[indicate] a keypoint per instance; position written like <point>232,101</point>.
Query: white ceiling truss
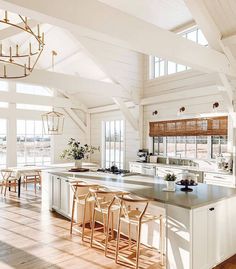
<point>214,36</point>
<point>130,32</point>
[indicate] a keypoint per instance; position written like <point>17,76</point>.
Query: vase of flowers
<point>77,152</point>
<point>170,182</point>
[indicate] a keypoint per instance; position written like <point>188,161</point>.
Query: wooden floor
<point>229,264</point>
<point>32,237</point>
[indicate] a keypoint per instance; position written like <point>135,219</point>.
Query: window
<point>202,147</point>
<point>170,146</point>
<point>113,146</point>
<point>3,142</point>
<point>33,89</point>
<point>219,145</point>
<point>162,67</point>
<point>159,147</point>
<point>3,105</point>
<point>190,147</point>
<point>33,147</point>
<point>3,86</point>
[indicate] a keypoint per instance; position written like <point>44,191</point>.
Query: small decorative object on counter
<point>170,182</point>
<point>77,152</point>
<point>187,183</point>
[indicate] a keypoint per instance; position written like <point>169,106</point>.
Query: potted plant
<point>77,152</point>
<point>170,181</point>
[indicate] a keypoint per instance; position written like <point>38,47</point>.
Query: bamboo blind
<point>190,127</point>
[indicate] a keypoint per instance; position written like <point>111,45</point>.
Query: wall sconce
<point>154,113</point>
<point>181,111</point>
<point>215,106</point>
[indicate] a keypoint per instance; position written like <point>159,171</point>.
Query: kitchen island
<point>200,230</point>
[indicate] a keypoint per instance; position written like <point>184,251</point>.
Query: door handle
<point>212,209</point>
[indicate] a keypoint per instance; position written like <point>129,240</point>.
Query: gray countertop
<point>152,188</point>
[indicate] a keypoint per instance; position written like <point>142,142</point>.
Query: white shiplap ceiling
<point>167,14</point>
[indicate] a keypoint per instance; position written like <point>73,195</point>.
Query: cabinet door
<point>65,197</point>
<point>56,193</point>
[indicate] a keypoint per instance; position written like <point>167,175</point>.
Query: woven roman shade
<point>190,127</point>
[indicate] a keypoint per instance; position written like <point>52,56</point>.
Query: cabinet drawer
<point>218,177</point>
<point>219,183</point>
<point>135,168</point>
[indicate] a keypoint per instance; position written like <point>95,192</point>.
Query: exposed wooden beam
<point>209,28</point>
<point>21,98</point>
<point>229,40</point>
<point>127,114</point>
<point>76,119</point>
<point>107,108</point>
<point>75,84</point>
<point>227,93</point>
<point>122,30</point>
<point>181,95</point>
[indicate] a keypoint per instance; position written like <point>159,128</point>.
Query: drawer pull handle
<point>212,209</point>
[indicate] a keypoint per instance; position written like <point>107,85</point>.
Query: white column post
<point>11,130</point>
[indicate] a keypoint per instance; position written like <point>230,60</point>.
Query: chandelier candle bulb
<point>10,54</point>
<point>29,63</point>
<point>6,17</point>
<point>25,70</point>
<point>5,71</point>
<point>17,50</point>
<point>26,23</point>
<point>43,38</point>
<point>30,49</point>
<point>38,31</point>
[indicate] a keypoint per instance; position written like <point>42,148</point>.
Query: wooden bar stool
<point>8,180</point>
<point>82,197</point>
<point>105,203</point>
<point>135,217</point>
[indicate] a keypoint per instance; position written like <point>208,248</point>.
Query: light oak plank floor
<point>31,237</point>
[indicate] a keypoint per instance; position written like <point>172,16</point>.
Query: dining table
<point>19,172</point>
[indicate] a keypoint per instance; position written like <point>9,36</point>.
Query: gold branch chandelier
<point>16,62</point>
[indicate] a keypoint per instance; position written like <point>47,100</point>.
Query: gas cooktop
<point>121,172</point>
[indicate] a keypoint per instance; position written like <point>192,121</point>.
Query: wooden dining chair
<point>8,180</point>
<point>34,177</point>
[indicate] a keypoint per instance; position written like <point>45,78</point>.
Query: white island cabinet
<point>61,199</point>
<point>199,226</point>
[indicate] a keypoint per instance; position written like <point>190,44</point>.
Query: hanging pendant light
<point>53,121</point>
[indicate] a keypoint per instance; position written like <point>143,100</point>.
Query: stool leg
<point>90,214</point>
<point>83,224</point>
<point>5,191</point>
<point>107,232</point>
<point>112,225</point>
<point>138,245</point>
<point>93,227</point>
<point>72,215</point>
<point>161,240</point>
<point>118,238</point>
<point>129,235</point>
